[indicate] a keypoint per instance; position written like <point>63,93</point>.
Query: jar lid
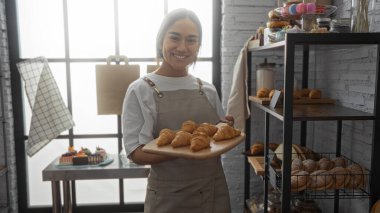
<point>266,64</point>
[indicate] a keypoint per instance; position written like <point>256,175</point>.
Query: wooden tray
<point>216,149</point>
<point>303,100</point>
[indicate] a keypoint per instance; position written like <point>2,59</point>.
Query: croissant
<point>226,132</point>
<point>207,128</point>
<point>165,137</point>
<point>189,126</point>
<point>181,138</point>
<point>199,141</point>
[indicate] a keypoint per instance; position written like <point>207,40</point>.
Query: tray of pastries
<point>198,141</point>
<point>300,96</point>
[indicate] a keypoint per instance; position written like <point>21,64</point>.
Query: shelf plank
<point>318,112</point>
<point>3,170</point>
<point>303,100</point>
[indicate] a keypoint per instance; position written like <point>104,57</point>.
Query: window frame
<point>18,103</point>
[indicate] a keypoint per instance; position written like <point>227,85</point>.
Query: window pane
<point>91,28</point>
<point>203,9</point>
<point>41,28</point>
<point>59,73</point>
<point>135,190</point>
<point>85,113</point>
<point>97,191</point>
<point>202,70</point>
<point>139,23</point>
<point>40,191</point>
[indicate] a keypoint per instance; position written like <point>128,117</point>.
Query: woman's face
<point>181,44</point>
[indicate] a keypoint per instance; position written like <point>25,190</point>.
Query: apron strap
<point>200,86</point>
<point>153,85</point>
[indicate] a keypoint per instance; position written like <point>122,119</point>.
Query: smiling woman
<point>75,36</point>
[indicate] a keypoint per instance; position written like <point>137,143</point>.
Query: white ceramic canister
<point>265,75</point>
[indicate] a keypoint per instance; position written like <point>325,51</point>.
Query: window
<point>75,35</point>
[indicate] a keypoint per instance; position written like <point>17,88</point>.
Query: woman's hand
<point>140,157</point>
<point>229,119</point>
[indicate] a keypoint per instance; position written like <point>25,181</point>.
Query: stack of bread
<point>297,93</point>
<point>326,174</point>
<point>196,136</point>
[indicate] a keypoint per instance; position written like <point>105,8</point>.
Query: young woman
<point>165,99</point>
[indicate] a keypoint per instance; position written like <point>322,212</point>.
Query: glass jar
<point>265,75</point>
<point>359,16</point>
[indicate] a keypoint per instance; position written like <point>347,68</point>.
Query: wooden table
<point>115,170</point>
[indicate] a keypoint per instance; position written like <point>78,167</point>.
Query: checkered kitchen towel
<point>50,116</point>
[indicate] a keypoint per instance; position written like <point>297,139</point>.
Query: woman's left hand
<point>230,120</point>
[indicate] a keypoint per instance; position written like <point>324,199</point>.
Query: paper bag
<point>112,82</point>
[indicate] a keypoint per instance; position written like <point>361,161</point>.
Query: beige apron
<point>185,185</point>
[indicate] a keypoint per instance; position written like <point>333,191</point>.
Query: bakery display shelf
<point>279,44</point>
<point>318,112</point>
<point>329,191</point>
<point>3,170</point>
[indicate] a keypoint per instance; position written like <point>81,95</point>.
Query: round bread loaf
<point>315,94</point>
<point>298,180</point>
<point>309,165</point>
<point>320,180</point>
<point>341,177</point>
<point>297,164</point>
<point>357,176</point>
<point>325,164</point>
<point>340,162</point>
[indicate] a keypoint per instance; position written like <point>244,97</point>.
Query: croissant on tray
<point>207,128</point>
<point>181,138</point>
<point>165,137</point>
<point>226,132</point>
<point>199,141</point>
<point>189,126</point>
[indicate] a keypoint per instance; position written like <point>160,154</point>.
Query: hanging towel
<point>50,116</point>
<point>237,104</point>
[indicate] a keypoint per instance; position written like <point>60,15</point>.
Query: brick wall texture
<point>7,197</point>
<point>345,74</point>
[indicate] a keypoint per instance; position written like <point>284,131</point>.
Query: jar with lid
<point>306,206</point>
<point>265,75</point>
<point>324,23</point>
<point>274,202</point>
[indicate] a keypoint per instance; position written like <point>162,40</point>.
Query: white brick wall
<point>345,75</point>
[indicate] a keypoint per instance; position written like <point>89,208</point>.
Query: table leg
<point>67,206</point>
<point>56,190</point>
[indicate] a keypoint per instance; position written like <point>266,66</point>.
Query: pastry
<point>189,126</point>
<point>325,164</point>
<point>280,150</point>
<point>207,128</point>
<point>320,180</point>
<point>305,92</point>
<point>226,132</point>
<point>262,93</point>
<point>357,176</point>
<point>315,94</point>
<point>297,164</point>
<point>376,207</point>
<point>181,138</point>
<point>297,94</point>
<point>341,177</point>
<point>309,165</point>
<point>271,93</point>
<point>340,162</point>
<point>298,180</point>
<point>165,137</point>
<point>199,141</point>
<point>257,149</point>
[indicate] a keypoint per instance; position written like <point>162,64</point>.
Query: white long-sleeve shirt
<point>139,108</point>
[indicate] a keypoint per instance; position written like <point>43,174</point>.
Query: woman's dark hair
<point>169,20</point>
